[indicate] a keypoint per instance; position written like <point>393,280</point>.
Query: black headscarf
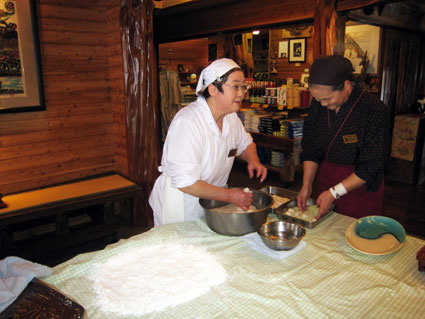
<point>331,70</point>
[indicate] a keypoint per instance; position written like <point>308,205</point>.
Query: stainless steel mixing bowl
<point>281,235</point>
<point>237,224</point>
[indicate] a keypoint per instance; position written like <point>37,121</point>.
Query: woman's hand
<point>250,156</point>
<point>302,197</point>
<point>324,201</point>
<point>257,166</point>
<point>240,198</point>
<point>235,196</point>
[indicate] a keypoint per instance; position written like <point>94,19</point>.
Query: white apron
<point>172,201</point>
<point>195,149</point>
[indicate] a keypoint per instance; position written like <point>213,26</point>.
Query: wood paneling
<point>405,15</point>
<point>77,134</point>
<point>174,24</point>
<point>343,5</point>
<point>116,84</point>
<point>193,54</point>
<point>290,69</point>
<point>208,17</point>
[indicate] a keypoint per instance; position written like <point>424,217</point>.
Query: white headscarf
<point>213,72</point>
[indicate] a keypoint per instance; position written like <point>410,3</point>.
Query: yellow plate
<point>384,245</point>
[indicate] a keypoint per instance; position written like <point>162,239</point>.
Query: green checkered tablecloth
<point>326,279</point>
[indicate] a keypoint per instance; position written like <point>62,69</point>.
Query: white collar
<point>204,107</point>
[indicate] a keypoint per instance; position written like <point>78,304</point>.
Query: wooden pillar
<point>141,111</point>
<point>340,21</point>
<point>325,35</point>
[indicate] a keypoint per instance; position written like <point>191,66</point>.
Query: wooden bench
<point>48,219</point>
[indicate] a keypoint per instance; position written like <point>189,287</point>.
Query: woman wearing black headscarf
<point>344,142</point>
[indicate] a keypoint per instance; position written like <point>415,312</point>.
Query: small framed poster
<point>297,50</point>
<point>283,49</point>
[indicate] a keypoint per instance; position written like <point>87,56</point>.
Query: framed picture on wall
<point>21,85</point>
<point>297,50</point>
<point>362,43</point>
<point>283,49</point>
<point>304,79</point>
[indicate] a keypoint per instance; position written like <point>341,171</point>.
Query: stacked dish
<point>376,235</point>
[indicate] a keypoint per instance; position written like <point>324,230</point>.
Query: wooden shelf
<point>273,168</point>
<point>294,112</point>
<point>286,145</point>
<point>282,144</point>
<point>298,168</point>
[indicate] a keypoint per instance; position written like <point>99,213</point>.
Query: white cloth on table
<point>195,149</point>
<point>15,274</point>
<point>254,240</point>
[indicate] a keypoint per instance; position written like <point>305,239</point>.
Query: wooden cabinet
<point>288,146</point>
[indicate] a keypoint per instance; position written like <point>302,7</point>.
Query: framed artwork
<point>362,41</point>
<point>297,49</point>
<point>283,50</point>
<point>21,85</point>
<point>304,79</point>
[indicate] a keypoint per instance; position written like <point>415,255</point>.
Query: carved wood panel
<point>140,86</point>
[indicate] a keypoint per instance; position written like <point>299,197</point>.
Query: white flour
<point>233,209</point>
<point>146,279</point>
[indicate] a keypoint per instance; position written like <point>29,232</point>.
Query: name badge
<point>350,139</point>
<point>232,153</point>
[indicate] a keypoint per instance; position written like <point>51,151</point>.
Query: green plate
<point>374,227</point>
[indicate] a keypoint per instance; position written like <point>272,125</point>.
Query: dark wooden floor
<point>403,202</point>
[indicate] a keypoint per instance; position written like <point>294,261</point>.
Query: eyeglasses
<point>244,88</point>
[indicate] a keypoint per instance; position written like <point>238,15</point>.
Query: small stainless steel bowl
<point>237,224</point>
<point>281,235</point>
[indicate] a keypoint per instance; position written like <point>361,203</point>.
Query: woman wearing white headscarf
<point>202,142</point>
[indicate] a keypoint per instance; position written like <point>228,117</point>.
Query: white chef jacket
<point>194,149</point>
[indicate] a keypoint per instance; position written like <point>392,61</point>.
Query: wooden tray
<point>40,301</point>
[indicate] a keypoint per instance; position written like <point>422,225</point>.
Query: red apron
<point>356,203</point>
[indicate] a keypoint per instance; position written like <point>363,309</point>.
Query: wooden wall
<point>116,83</point>
<point>290,69</point>
<point>208,17</point>
<point>81,131</point>
<point>176,24</point>
<point>193,54</point>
